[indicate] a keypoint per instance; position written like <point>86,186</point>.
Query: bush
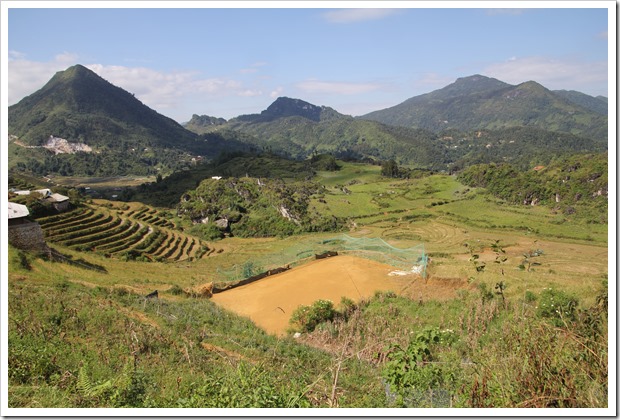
<point>347,307</point>
<point>530,297</point>
<point>176,290</point>
<point>306,318</point>
<point>557,306</point>
<point>206,231</point>
<point>414,375</point>
<point>485,293</point>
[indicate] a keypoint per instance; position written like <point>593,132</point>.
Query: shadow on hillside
<point>57,256</point>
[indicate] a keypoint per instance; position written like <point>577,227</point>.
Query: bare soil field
<point>270,302</point>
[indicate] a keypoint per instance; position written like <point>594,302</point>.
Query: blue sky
<point>225,62</point>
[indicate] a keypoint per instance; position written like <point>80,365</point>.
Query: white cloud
<point>340,88</point>
<point>432,81</point>
<point>553,73</point>
<point>253,68</point>
<point>162,91</point>
<point>276,92</point>
<point>250,92</point>
<point>357,15</point>
<point>26,76</point>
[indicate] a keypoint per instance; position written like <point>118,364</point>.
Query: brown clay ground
<point>270,302</point>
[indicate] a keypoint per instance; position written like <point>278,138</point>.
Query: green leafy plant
<point>557,306</point>
<point>306,318</point>
<point>414,373</point>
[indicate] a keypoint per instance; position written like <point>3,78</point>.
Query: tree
<point>390,169</point>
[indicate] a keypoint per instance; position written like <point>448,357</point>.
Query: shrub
<point>306,318</point>
<point>206,231</point>
<point>176,290</point>
<point>530,296</point>
<point>557,306</point>
<point>347,307</point>
<point>485,293</point>
<point>414,375</point>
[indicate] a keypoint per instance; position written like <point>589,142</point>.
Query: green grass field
<point>181,351</point>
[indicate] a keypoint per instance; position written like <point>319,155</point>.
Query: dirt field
<point>270,302</point>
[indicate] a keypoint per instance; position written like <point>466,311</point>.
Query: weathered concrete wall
<point>218,288</point>
<point>27,236</point>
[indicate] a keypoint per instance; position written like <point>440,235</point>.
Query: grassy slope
<point>100,321</point>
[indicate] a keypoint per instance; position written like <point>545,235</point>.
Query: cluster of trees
<point>523,147</point>
<point>569,183</point>
<point>107,163</point>
<point>254,207</point>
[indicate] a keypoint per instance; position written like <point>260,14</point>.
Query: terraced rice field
<point>132,232</point>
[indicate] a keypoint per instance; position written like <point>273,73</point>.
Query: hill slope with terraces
<point>126,231</point>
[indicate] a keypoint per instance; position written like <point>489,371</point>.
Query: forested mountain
<point>201,124</point>
<point>479,102</point>
<point>80,106</point>
<point>80,124</point>
<point>298,129</point>
<point>597,104</point>
<point>123,136</point>
<point>291,107</point>
<point>523,147</point>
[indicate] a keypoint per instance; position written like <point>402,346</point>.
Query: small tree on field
<point>390,169</point>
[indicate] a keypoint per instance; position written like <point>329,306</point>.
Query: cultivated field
<point>122,230</point>
<point>269,302</point>
<point>83,334</point>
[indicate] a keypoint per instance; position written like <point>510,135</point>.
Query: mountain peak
<point>77,71</point>
<point>79,104</point>
<point>288,107</point>
<point>473,78</point>
<point>476,83</point>
<point>477,102</point>
<point>284,107</point>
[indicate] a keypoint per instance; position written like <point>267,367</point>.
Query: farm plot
<point>270,302</point>
<point>142,234</point>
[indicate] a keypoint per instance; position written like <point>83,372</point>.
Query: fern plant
<point>125,390</point>
<point>88,388</point>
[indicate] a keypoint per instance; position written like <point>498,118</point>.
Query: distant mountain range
<point>479,102</point>
<point>476,118</point>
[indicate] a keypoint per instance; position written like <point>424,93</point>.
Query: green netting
<point>290,257</point>
<point>411,260</point>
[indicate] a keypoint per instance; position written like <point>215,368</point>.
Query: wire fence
<point>412,260</point>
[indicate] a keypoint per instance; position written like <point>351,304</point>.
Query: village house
<point>24,233</point>
<point>58,201</point>
<point>17,214</point>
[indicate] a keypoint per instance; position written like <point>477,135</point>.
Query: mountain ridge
<point>480,102</point>
<point>128,137</point>
<point>284,107</point>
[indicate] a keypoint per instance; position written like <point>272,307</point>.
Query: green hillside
<point>124,136</point>
<point>575,184</point>
<point>478,102</point>
<point>344,137</point>
<point>508,285</point>
<point>597,104</point>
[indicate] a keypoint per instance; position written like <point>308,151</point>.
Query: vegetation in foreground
<point>82,345</point>
<point>81,337</point>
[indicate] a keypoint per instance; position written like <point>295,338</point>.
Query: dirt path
<point>270,302</point>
